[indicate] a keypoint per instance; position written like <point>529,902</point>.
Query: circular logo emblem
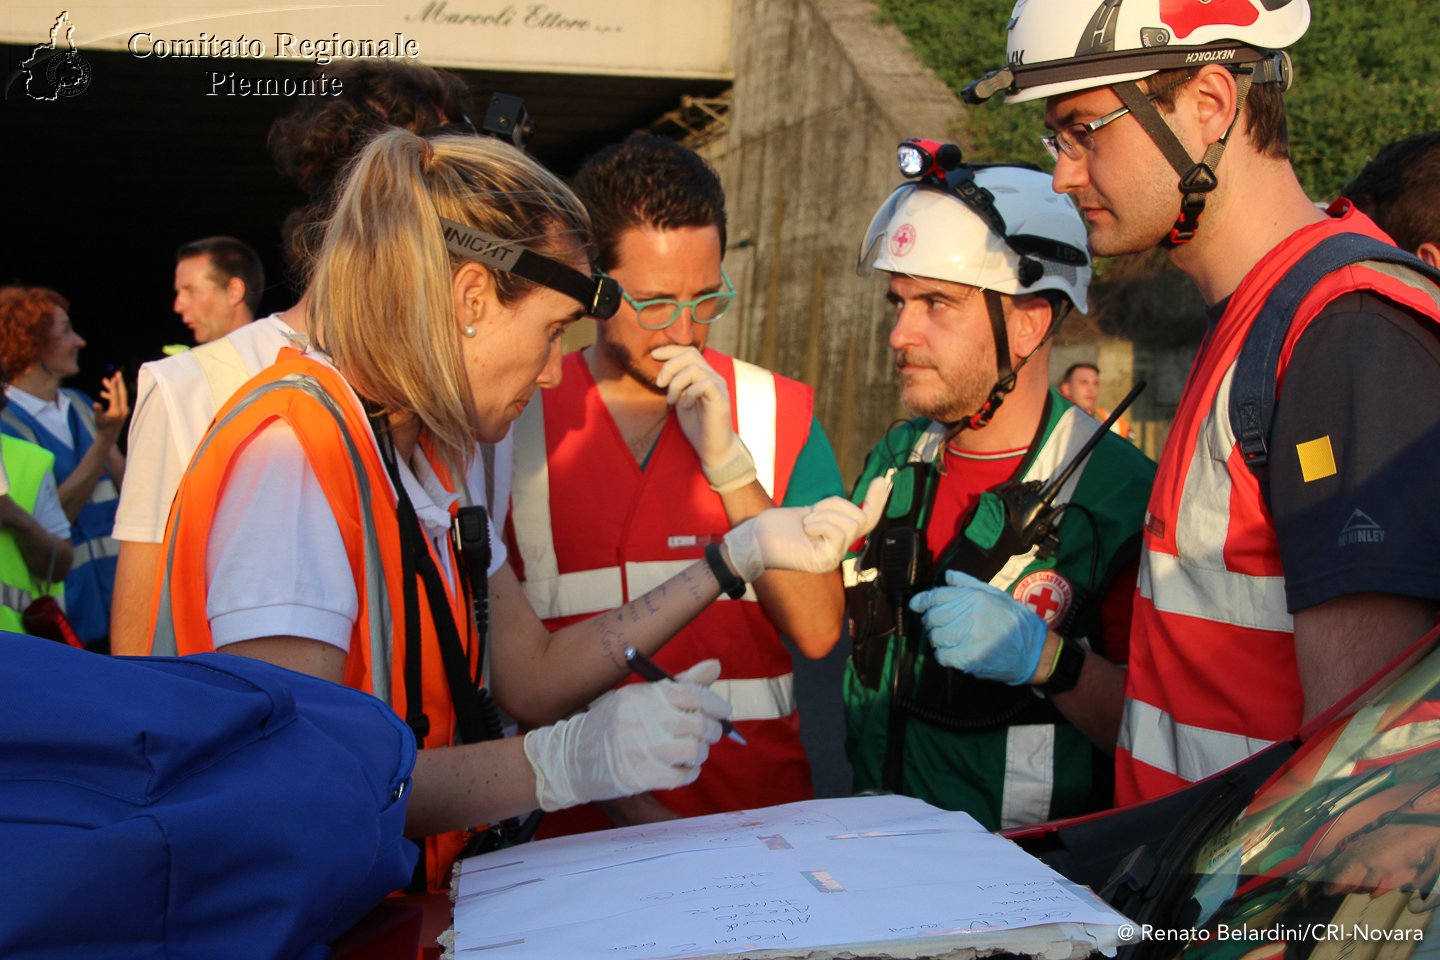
<point>1047,593</point>
<point>69,73</point>
<point>903,241</point>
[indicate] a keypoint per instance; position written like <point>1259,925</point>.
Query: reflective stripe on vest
<point>1153,737</point>
<point>1029,774</point>
<point>763,698</point>
<point>100,548</point>
<point>1213,674</point>
<point>1196,582</point>
<point>555,594</point>
<point>16,598</point>
<point>377,599</point>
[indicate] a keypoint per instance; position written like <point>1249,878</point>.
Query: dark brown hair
<point>648,181</point>
<point>313,143</point>
<point>1265,122</point>
<point>1400,190</point>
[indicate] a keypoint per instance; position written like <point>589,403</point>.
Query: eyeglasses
<point>661,312</point>
<point>1078,139</point>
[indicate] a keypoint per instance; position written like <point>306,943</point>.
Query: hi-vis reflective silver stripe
<point>556,594</point>
<point>644,576</point>
<point>763,698</point>
<point>755,414</point>
<point>1191,753</point>
<point>377,604</point>
<point>16,598</point>
<point>96,549</point>
<point>1196,583</point>
<point>104,492</point>
<point>1029,774</point>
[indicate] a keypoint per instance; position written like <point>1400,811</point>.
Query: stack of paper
<point>864,876</point>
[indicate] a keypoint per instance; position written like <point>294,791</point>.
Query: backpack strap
<point>1252,390</point>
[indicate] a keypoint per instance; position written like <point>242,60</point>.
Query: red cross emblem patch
<point>903,241</point>
<point>1047,593</point>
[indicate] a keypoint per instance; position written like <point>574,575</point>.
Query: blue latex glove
<point>981,629</point>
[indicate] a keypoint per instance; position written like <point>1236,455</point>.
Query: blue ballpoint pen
<point>648,669</point>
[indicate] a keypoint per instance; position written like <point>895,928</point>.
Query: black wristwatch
<point>729,580</point>
<point>1067,669</point>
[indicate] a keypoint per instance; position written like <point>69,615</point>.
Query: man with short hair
<point>1400,191</point>
<point>218,283</point>
<point>638,463</point>
<point>1290,543</point>
<point>1081,386</point>
<point>974,321</point>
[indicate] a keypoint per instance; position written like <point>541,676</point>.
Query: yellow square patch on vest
<point>1317,459</point>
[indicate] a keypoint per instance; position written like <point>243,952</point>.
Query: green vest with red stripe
<point>1018,761</point>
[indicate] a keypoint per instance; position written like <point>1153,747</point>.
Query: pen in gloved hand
<point>647,669</point>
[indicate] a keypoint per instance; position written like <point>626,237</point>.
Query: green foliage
<point>1366,74</point>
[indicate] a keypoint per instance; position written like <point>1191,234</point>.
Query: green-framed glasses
<point>661,312</point>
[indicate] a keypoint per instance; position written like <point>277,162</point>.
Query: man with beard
<point>1290,545</point>
<point>639,462</point>
<point>983,264</point>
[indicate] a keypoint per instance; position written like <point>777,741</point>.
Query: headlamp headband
<point>599,295</point>
<point>942,167</point>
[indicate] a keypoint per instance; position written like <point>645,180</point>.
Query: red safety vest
<point>591,531</point>
<point>317,403</point>
<point>1212,675</point>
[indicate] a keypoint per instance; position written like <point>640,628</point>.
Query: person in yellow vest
<point>35,552</point>
<point>313,528</point>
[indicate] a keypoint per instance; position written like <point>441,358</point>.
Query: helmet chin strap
<point>1196,179</point>
<point>1006,374</point>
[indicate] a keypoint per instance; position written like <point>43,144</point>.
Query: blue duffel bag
<point>196,807</point>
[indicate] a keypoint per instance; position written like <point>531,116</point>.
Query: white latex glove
<point>808,539</point>
<point>643,736</point>
<point>702,402</point>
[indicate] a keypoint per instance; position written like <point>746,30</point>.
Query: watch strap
<point>729,580</point>
<point>1066,674</point>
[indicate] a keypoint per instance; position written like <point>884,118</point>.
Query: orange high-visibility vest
<point>326,416</point>
<point>593,531</point>
<point>1213,676</point>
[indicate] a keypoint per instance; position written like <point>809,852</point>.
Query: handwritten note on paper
<point>857,874</point>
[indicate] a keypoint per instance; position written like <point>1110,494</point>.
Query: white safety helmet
<point>1059,46</point>
<point>925,230</point>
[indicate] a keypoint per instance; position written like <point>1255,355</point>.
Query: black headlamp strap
<point>600,296</point>
<point>558,277</point>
